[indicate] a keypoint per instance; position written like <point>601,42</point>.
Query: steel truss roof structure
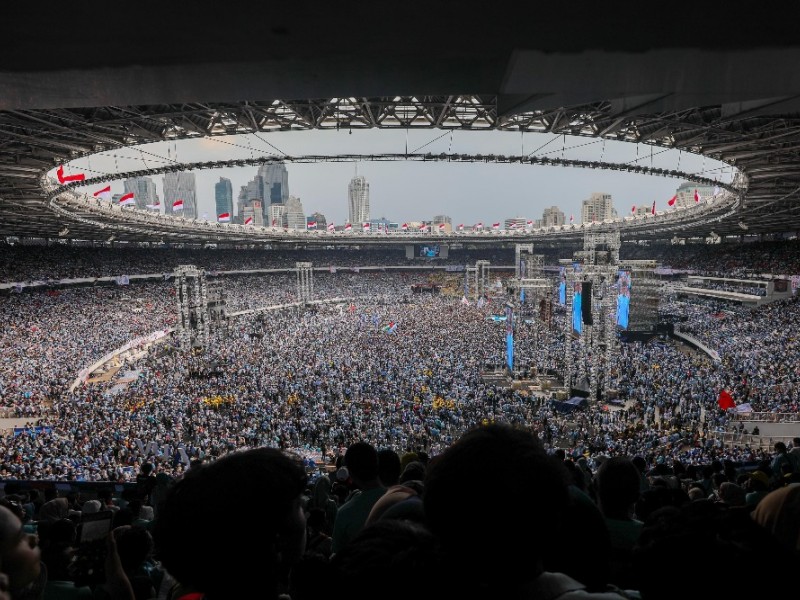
<point>731,94</point>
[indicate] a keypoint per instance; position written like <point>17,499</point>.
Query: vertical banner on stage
<point>623,298</point>
<point>510,337</point>
<point>577,308</point>
<point>562,287</point>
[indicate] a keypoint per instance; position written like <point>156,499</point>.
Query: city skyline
<point>417,191</point>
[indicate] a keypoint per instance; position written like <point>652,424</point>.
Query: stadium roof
<point>721,80</point>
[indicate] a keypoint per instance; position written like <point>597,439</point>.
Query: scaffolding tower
<point>597,345</point>
<point>305,281</point>
<point>192,327</point>
<point>481,278</point>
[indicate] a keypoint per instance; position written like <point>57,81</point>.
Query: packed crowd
<point>26,263</point>
<point>316,379</point>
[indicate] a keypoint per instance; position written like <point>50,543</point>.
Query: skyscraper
<point>270,186</point>
<point>597,208</point>
<point>553,216</point>
<point>358,200</point>
<point>181,186</point>
<point>223,196</point>
<point>295,218</point>
<point>276,183</point>
<point>144,191</point>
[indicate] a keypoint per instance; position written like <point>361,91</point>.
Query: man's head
<point>494,487</point>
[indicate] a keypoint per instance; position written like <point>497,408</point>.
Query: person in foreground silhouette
<point>494,500</point>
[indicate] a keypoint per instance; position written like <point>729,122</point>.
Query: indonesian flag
<point>127,199</point>
<point>365,226</point>
<point>67,178</point>
<point>633,208</point>
<point>461,227</point>
<point>653,210</point>
<point>529,224</point>
<point>348,227</point>
<point>224,218</point>
<point>155,206</point>
<point>311,225</point>
<point>404,226</point>
<point>331,227</point>
<point>103,194</point>
<point>672,200</point>
<point>248,221</point>
<point>424,228</point>
<point>441,226</point>
<point>571,218</point>
<point>273,222</point>
<point>478,225</point>
<point>725,400</point>
<point>696,196</point>
<point>177,205</point>
<point>495,225</point>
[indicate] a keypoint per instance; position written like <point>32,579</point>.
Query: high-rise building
<point>295,218</point>
<point>254,210</point>
<point>181,186</point>
<point>685,193</point>
<point>275,215</point>
<point>358,200</point>
<point>320,220</point>
<point>144,191</point>
<point>270,186</point>
<point>223,196</point>
<point>516,223</point>
<point>597,208</point>
<point>276,183</point>
<point>553,216</point>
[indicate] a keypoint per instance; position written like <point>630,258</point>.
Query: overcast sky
<point>405,191</point>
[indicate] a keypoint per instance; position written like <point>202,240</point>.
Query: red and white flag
<point>127,199</point>
<point>495,225</point>
<point>311,225</point>
<point>696,196</point>
<point>529,224</point>
<point>68,178</point>
<point>725,400</point>
<point>404,226</point>
<point>273,222</point>
<point>348,227</point>
<point>478,225</point>
<point>423,228</point>
<point>571,218</point>
<point>653,210</point>
<point>331,227</point>
<point>672,200</point>
<point>177,205</point>
<point>155,206</point>
<point>441,226</point>
<point>461,227</point>
<point>103,194</point>
<point>365,226</point>
<point>224,217</point>
<point>248,221</point>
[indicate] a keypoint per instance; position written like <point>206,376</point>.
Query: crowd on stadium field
<point>319,378</point>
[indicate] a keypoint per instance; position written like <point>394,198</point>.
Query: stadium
<point>657,350</point>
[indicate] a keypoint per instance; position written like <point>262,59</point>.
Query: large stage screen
<point>428,251</point>
<point>623,298</point>
<point>577,308</point>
